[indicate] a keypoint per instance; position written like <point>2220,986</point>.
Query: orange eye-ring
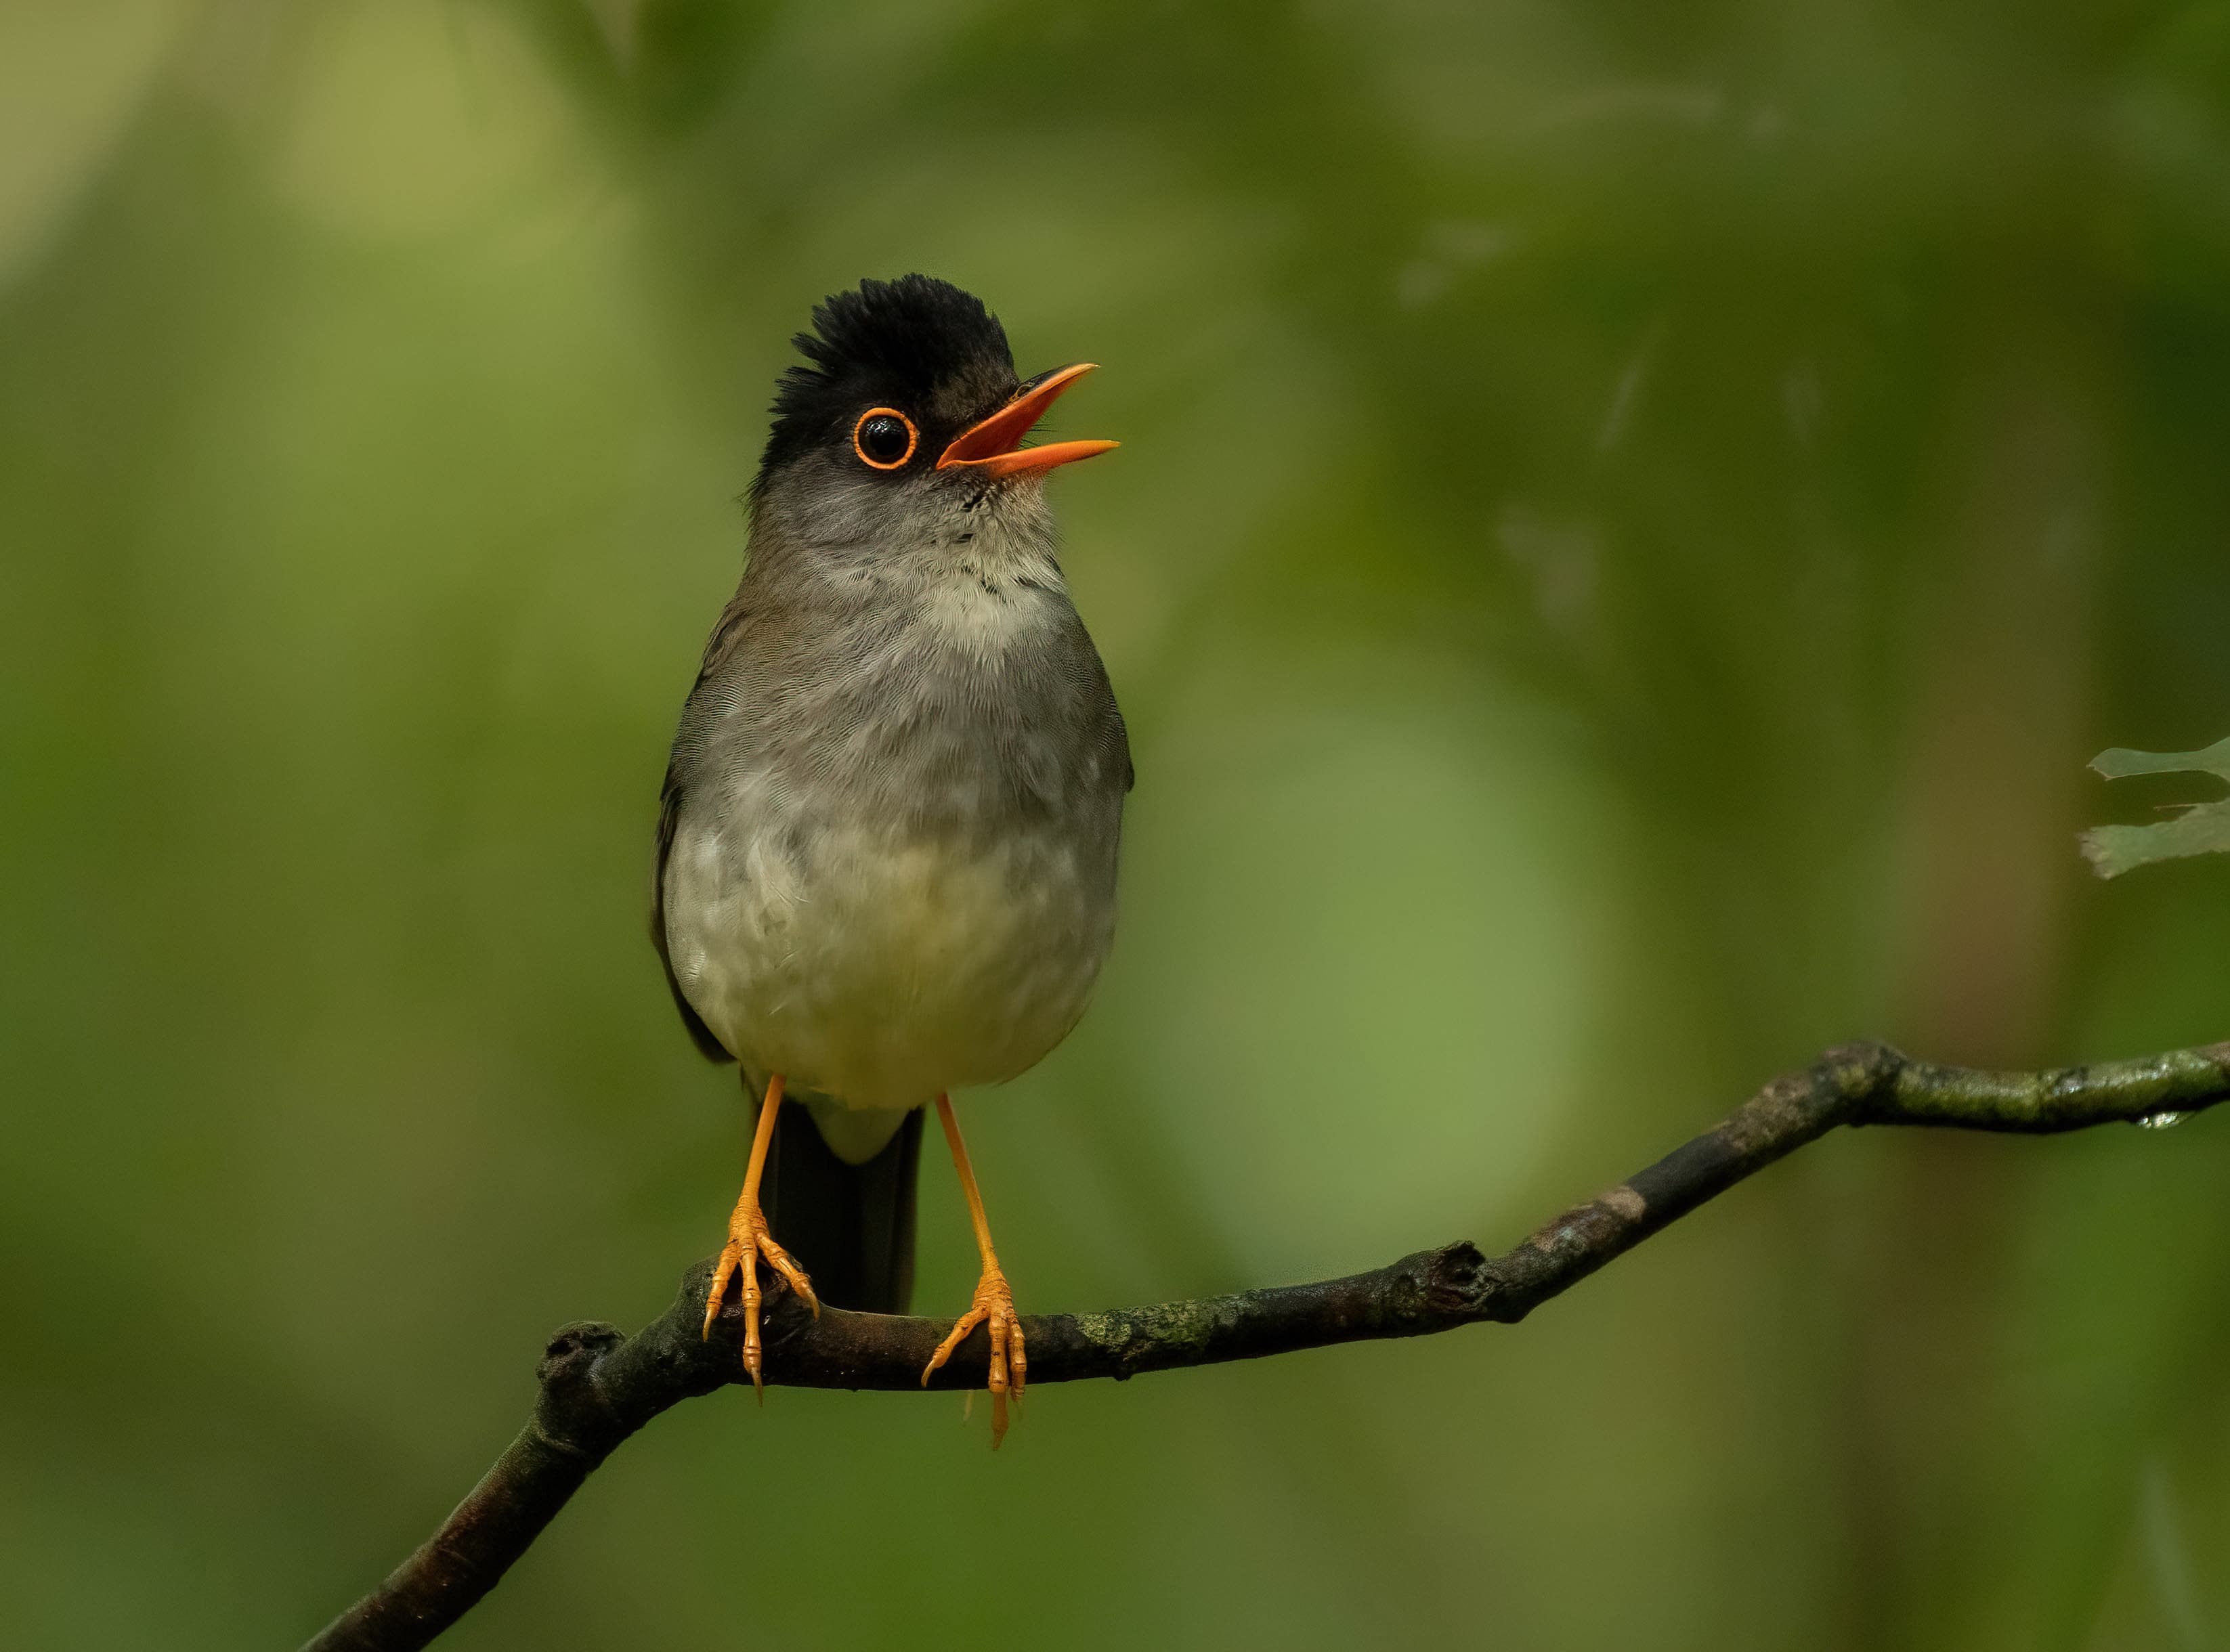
<point>884,438</point>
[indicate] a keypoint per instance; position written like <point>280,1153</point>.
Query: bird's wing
<point>669,814</point>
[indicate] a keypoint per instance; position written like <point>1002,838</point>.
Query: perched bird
<point>888,838</point>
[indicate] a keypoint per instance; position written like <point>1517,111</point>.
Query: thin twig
<point>598,1386</point>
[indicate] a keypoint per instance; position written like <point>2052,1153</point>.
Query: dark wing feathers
<point>669,811</point>
<point>669,806</point>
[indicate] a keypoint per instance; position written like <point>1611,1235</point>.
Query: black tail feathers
<point>849,1226</point>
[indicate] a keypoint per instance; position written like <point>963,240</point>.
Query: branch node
<point>1456,1282</point>
<point>570,1414</point>
<point>573,1348</point>
<point>1863,1074</point>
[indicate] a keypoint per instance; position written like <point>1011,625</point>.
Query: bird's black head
<point>911,381</point>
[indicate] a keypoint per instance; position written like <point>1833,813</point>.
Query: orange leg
<point>748,1241</point>
<point>994,1301</point>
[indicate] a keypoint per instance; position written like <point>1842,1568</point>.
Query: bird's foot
<point>749,1243</point>
<point>1009,1366</point>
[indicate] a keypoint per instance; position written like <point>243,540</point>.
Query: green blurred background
<point>1632,519</point>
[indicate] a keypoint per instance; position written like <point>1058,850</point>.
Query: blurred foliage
<point>2195,829</point>
<point>1630,517</point>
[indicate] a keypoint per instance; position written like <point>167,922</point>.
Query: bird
<point>888,834</point>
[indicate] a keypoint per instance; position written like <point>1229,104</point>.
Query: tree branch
<point>598,1386</point>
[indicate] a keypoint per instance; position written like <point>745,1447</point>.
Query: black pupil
<point>883,439</point>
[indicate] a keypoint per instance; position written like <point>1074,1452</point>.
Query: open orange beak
<point>991,449</point>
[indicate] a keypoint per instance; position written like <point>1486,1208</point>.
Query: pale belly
<point>878,973</point>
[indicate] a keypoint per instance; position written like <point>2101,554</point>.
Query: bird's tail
<point>849,1226</point>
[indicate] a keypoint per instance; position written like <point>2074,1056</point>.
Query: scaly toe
<point>750,1243</point>
<point>995,1304</point>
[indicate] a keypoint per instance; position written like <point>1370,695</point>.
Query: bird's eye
<point>884,438</point>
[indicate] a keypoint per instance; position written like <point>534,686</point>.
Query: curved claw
<point>794,1274</point>
<point>958,1334</point>
<point>719,1290</point>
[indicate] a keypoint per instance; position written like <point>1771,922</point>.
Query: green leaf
<point>2199,829</point>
